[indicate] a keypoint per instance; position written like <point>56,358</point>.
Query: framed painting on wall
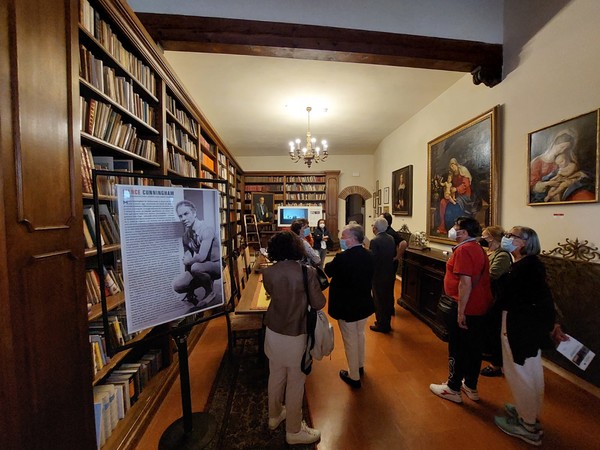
<point>402,182</point>
<point>462,165</point>
<point>563,162</point>
<point>262,206</point>
<point>386,195</point>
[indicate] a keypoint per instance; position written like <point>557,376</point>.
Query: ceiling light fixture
<point>311,152</point>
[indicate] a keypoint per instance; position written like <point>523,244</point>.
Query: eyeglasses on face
<point>510,235</point>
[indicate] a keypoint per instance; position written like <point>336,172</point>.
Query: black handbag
<point>322,277</point>
<point>447,308</point>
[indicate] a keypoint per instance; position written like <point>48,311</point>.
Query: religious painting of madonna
<point>462,165</point>
<point>563,162</point>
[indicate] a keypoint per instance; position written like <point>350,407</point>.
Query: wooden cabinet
<point>422,284</point>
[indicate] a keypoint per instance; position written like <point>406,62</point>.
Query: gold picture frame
<point>462,175</point>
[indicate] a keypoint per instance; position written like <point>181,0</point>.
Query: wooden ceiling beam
<point>283,40</point>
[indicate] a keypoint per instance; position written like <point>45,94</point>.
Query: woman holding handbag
<point>286,334</point>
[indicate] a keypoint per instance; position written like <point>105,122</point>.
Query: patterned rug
<point>238,402</point>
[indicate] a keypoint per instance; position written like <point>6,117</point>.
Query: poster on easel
<point>171,253</point>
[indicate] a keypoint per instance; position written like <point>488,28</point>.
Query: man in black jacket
<point>350,301</point>
<point>383,248</point>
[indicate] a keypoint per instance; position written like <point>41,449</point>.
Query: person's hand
<point>187,259</point>
<point>558,335</point>
<point>462,321</point>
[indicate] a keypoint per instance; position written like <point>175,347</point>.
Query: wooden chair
<point>241,326</point>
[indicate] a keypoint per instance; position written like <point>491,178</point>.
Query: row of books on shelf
<point>109,226</point>
<point>208,162</point>
<point>117,88</point>
<point>117,337</point>
<point>102,121</point>
<point>120,391</point>
<point>305,187</point>
<point>306,179</point>
<point>90,20</point>
<point>182,140</point>
<point>206,146</point>
<point>106,184</point>
<point>266,179</point>
<point>183,118</point>
<point>263,187</point>
<point>301,196</point>
<point>178,163</point>
<point>113,285</point>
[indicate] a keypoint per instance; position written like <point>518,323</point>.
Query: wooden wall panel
<point>46,369</point>
<point>332,189</point>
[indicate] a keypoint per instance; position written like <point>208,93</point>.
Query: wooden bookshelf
<point>133,108</point>
<point>296,188</point>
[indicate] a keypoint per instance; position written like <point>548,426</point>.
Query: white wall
<point>355,170</point>
<point>556,79</point>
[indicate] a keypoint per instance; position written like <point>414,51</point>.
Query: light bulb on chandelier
<point>311,152</point>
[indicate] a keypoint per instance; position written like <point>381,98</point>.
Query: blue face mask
<point>507,244</point>
<point>343,244</point>
<point>306,231</point>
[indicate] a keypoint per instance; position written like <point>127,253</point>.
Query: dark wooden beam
<point>283,40</point>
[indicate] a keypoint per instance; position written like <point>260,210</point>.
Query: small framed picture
<point>386,195</point>
<point>402,181</point>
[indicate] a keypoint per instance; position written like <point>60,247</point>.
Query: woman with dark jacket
<point>321,241</point>
<point>528,320</point>
<point>350,299</point>
<point>285,336</point>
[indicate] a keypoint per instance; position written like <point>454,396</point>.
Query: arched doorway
<point>355,209</point>
<point>355,197</point>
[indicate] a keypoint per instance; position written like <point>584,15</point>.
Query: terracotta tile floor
<point>395,409</point>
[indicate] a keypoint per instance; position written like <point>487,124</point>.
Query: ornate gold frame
<point>474,146</point>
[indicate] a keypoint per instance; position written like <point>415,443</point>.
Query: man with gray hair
<point>383,249</point>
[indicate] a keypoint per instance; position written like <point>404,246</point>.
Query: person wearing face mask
<point>467,282</point>
<point>528,326</point>
<point>500,262</point>
<point>321,241</point>
<point>383,248</point>
<point>301,228</point>
<point>350,299</point>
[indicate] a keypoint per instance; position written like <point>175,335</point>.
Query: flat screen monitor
<point>287,214</point>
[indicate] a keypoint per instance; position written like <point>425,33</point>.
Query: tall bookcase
<point>135,116</point>
<point>297,188</point>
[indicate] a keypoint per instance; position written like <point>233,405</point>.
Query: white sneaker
<point>471,393</point>
<point>443,391</point>
<point>306,435</point>
<point>275,421</point>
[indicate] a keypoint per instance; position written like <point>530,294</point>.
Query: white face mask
<point>452,234</point>
<point>321,226</point>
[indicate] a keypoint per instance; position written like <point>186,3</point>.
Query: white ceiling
<point>245,97</point>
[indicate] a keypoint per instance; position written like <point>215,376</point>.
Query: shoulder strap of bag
<point>311,314</point>
<point>482,269</point>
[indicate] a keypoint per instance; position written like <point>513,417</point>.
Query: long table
<point>253,299</point>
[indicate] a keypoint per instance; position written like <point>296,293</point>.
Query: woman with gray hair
<point>528,322</point>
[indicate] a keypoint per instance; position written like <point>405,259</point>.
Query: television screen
<point>287,214</point>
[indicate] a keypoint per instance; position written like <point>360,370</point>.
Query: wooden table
<point>250,301</point>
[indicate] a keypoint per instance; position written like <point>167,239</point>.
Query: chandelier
<point>311,152</point>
